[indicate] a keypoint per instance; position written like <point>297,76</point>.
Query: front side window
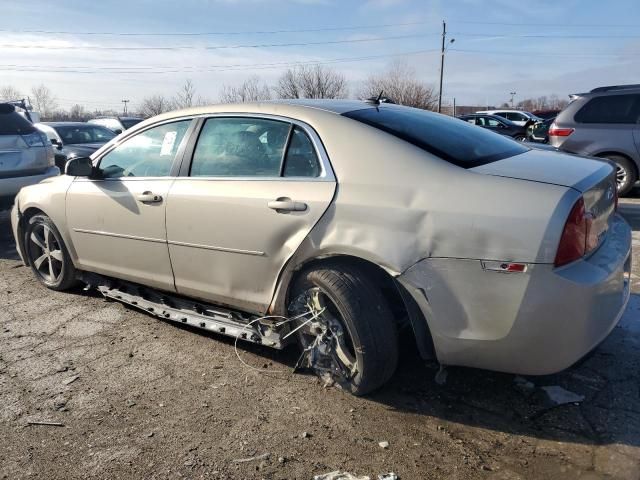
<point>445,137</point>
<point>611,109</point>
<point>240,147</point>
<point>147,154</point>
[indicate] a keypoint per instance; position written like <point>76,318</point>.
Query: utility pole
<point>124,110</point>
<point>513,94</point>
<point>444,34</point>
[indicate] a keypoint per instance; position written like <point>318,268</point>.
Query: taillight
<point>577,238</point>
<point>560,132</point>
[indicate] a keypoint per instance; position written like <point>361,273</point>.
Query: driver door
<point>117,220</point>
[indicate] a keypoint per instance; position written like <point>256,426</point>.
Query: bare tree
<point>43,101</point>
<point>185,96</point>
<point>251,90</point>
<point>77,113</point>
<point>9,92</point>
<point>311,82</point>
<point>552,102</point>
<point>155,105</point>
<point>400,84</point>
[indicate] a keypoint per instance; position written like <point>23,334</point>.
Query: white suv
<point>519,117</point>
<point>26,155</point>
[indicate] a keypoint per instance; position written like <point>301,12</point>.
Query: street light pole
<point>513,94</point>
<point>444,34</point>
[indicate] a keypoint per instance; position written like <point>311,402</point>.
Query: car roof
<point>288,108</point>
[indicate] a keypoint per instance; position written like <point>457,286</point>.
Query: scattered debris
<point>441,376</point>
<point>130,403</point>
<point>524,386</point>
<point>388,476</point>
<point>384,444</point>
<point>69,381</point>
<point>150,434</point>
<point>281,459</point>
<point>45,423</point>
<point>305,435</point>
<point>561,396</point>
<point>337,475</point>
<point>264,456</point>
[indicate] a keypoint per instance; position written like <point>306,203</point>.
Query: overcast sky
<point>533,48</point>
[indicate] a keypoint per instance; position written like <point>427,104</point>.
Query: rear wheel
<point>626,175</point>
<point>348,335</point>
<point>520,138</point>
<point>47,254</point>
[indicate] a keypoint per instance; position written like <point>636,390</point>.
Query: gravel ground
<point>141,398</point>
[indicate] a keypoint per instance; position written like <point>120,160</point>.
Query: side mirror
<point>56,143</point>
<point>118,131</point>
<point>79,167</point>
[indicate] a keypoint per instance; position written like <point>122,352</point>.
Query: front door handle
<point>149,197</point>
<point>284,204</point>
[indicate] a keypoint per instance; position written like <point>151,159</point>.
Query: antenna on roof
<point>379,99</point>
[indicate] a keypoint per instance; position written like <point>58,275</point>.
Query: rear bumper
<point>9,187</point>
<point>533,323</point>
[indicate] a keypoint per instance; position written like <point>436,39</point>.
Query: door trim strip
<point>256,253</point>
<point>119,235</point>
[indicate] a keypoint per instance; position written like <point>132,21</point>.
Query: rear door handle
<point>149,197</point>
<point>284,204</point>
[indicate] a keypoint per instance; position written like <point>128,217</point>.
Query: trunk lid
<point>556,168</point>
<point>17,159</point>
<point>594,178</point>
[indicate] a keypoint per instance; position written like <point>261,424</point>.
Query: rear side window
<point>610,109</point>
<point>301,159</point>
<point>15,124</point>
<point>446,137</point>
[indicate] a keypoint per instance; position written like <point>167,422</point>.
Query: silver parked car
<point>334,224</point>
<point>26,156</point>
<point>604,122</point>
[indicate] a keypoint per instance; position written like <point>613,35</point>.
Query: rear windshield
<point>457,142</point>
<point>15,124</point>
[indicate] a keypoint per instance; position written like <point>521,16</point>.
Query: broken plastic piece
<point>560,396</point>
<point>337,475</point>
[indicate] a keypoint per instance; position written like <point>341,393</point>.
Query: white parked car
<point>519,117</point>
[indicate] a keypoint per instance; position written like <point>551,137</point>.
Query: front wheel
<point>347,333</point>
<point>520,138</point>
<point>47,254</point>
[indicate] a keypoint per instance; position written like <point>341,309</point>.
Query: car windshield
<point>77,134</point>
<point>130,122</point>
<point>457,142</point>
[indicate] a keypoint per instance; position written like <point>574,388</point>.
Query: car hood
<point>554,168</point>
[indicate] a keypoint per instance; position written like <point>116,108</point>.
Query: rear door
<point>254,189</point>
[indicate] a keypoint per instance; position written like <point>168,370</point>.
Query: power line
<point>211,68</point>
<point>576,25</point>
<point>215,47</point>
<point>500,35</point>
<point>193,34</point>
<point>542,54</point>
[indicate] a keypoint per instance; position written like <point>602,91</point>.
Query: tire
<point>358,304</point>
<point>626,175</point>
<point>47,255</point>
<point>520,138</point>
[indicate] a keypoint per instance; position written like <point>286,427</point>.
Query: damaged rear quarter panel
<point>396,204</point>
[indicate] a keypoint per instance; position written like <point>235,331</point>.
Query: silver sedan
<point>336,224</point>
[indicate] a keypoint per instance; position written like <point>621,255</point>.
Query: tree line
<point>399,82</point>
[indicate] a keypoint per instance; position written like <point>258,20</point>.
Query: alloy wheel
<point>621,176</point>
<point>45,253</point>
<point>328,348</point>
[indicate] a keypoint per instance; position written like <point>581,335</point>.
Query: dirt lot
<point>140,398</point>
